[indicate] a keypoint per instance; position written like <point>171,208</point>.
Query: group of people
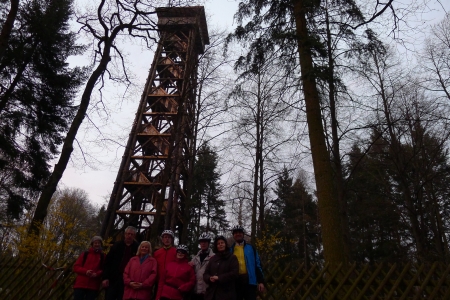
<point>129,271</point>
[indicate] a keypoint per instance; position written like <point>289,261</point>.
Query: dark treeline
<point>36,95</point>
<point>378,134</point>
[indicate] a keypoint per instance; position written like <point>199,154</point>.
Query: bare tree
<point>241,202</point>
<point>71,223</point>
<point>104,25</point>
<point>436,58</point>
<point>260,104</point>
<point>415,127</point>
<point>213,82</point>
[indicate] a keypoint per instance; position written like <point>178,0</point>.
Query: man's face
<point>238,236</point>
<point>166,240</point>
<point>204,245</point>
<point>129,237</point>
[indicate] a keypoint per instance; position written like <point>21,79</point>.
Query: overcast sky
<point>99,181</point>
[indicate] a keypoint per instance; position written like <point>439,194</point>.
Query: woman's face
<point>145,249</point>
<point>221,245</point>
<point>180,254</point>
<point>97,244</point>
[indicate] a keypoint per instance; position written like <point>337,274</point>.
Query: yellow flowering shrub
<point>66,232</point>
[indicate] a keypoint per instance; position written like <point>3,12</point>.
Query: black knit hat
<point>220,237</point>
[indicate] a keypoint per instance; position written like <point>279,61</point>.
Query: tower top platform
<point>173,17</point>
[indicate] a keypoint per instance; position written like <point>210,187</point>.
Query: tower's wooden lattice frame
<point>153,178</point>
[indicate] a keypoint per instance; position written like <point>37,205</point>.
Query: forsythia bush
<point>66,232</point>
<point>269,247</point>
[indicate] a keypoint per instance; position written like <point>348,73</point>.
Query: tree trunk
<point>305,246</point>
<point>336,155</point>
<point>50,187</point>
<point>8,26</point>
<point>333,240</point>
<point>261,186</point>
<point>255,185</point>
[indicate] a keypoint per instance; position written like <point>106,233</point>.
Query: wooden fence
<point>381,281</point>
<point>31,279</point>
<point>35,279</point>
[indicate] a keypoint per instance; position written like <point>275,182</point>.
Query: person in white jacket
<point>199,263</point>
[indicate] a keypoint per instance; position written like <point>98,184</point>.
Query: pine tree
<point>302,223</point>
<point>207,213</point>
<point>36,97</point>
<point>275,217</point>
<point>374,217</point>
<point>293,219</point>
<point>290,26</point>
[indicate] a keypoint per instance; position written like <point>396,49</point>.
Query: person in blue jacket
<point>251,277</point>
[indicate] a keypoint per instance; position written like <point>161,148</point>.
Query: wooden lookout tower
<point>153,179</point>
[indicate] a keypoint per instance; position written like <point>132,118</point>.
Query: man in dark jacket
<point>251,275</point>
<point>115,263</point>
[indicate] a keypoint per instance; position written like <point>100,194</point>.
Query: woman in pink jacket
<point>179,277</point>
<point>140,274</point>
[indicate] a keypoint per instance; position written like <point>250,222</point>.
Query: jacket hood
<point>92,250</point>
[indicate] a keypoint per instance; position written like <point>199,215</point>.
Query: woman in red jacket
<point>89,269</point>
<point>179,277</point>
<point>140,274</point>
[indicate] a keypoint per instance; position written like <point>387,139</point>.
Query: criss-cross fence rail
<point>34,279</point>
<point>381,281</point>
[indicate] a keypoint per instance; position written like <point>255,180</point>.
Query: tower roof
<point>185,16</point>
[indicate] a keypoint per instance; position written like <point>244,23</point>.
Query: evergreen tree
<point>374,217</point>
<point>290,26</point>
<point>275,215</point>
<point>37,88</point>
<point>385,199</point>
<point>293,219</point>
<point>302,223</point>
<point>9,17</point>
<point>207,213</point>
<point>414,128</point>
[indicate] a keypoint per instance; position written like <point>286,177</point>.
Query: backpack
<point>85,254</point>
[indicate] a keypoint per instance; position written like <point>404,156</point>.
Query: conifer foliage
<point>293,218</point>
<point>290,26</point>
<point>207,211</point>
<point>36,95</point>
